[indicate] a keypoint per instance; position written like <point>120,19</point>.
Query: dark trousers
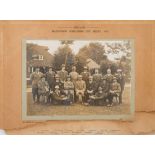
<point>50,98</point>
<point>120,97</point>
<point>35,93</point>
<point>63,102</point>
<point>111,96</point>
<point>96,101</point>
<point>87,96</point>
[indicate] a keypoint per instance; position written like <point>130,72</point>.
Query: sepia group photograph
<point>78,79</point>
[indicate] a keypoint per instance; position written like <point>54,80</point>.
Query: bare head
<point>108,71</point>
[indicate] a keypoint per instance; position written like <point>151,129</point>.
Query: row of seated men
<point>64,88</point>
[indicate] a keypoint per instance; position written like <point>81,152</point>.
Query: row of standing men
<point>67,88</point>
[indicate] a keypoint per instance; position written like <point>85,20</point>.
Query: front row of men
<point>87,92</point>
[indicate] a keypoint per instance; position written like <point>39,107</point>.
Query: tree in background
<point>66,42</point>
<point>80,62</point>
<point>64,55</point>
<point>104,64</point>
<point>93,51</point>
<point>125,65</point>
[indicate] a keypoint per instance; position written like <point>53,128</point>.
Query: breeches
<point>80,92</point>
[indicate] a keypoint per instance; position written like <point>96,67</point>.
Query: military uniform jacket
<point>85,76</point>
<point>115,87</point>
<point>80,85</point>
<point>50,78</point>
<point>58,83</point>
<point>105,87</point>
<point>63,75</point>
<point>68,85</point>
<point>91,86</point>
<point>35,77</point>
<point>121,80</point>
<point>97,77</point>
<point>74,76</point>
<point>43,87</point>
<point>109,78</point>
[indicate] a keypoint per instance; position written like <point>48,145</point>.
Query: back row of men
<point>66,88</point>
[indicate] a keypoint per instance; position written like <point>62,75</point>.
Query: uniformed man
<point>50,75</point>
<point>35,77</point>
<point>59,97</point>
<point>109,77</point>
<point>105,87</point>
<point>114,91</point>
<point>43,90</point>
<point>69,89</point>
<point>97,77</point>
<point>91,88</point>
<point>63,74</point>
<point>57,82</point>
<point>98,98</point>
<point>80,87</point>
<point>121,80</point>
<point>73,74</point>
<point>50,78</point>
<point>85,74</point>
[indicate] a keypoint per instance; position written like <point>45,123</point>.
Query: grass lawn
<point>78,109</point>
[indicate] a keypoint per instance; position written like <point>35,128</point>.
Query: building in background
<point>38,56</point>
<point>91,64</point>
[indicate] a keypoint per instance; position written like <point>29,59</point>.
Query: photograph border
<point>130,116</point>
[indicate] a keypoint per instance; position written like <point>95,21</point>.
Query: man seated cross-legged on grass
<point>98,98</point>
<point>59,97</point>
